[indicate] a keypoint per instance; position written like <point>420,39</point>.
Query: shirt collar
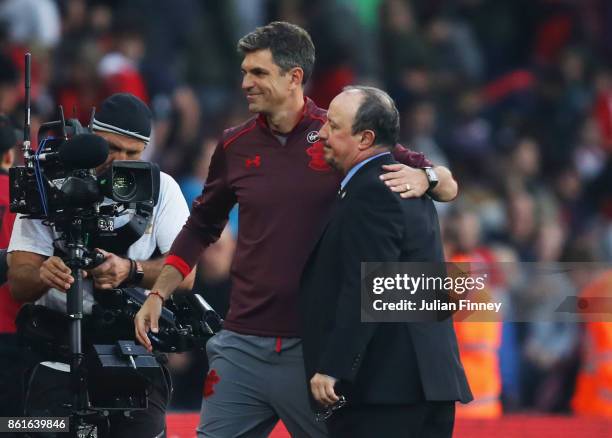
<point>305,117</point>
<point>358,166</point>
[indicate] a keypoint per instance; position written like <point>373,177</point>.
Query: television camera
<point>68,184</point>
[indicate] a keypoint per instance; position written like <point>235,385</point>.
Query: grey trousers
<point>253,382</point>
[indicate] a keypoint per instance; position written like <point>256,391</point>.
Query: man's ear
<point>296,75</point>
<point>367,139</point>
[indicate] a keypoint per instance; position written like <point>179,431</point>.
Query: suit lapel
<point>343,197</point>
<point>333,216</point>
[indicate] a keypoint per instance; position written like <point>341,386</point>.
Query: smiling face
<point>266,86</point>
<point>341,146</point>
<point>121,147</point>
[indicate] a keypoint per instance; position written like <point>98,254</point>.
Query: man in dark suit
<point>399,379</point>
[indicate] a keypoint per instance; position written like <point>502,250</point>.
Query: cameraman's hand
<point>111,273</point>
<point>147,319</point>
<point>55,273</point>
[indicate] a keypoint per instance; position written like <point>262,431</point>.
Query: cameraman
<point>37,275</point>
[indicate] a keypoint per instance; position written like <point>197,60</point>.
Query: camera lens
<point>124,185</point>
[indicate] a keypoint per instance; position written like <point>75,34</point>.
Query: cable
<point>39,178</point>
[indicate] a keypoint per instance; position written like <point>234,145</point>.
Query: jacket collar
<point>371,166</point>
<point>306,117</point>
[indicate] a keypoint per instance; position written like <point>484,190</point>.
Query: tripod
<point>78,258</point>
<point>103,379</point>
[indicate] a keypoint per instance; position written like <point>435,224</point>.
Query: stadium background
<point>515,96</point>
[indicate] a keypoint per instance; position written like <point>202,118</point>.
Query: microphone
<point>83,151</point>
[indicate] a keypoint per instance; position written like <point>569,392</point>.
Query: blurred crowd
<point>514,96</point>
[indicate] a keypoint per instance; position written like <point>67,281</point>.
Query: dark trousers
<point>415,420</point>
<point>49,389</point>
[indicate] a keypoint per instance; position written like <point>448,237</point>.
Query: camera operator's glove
<point>111,273</point>
<point>147,319</point>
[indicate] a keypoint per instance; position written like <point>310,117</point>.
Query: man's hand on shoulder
<point>407,181</point>
<point>111,273</point>
<point>412,182</point>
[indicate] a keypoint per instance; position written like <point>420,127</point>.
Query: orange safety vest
<point>479,344</point>
<point>593,394</point>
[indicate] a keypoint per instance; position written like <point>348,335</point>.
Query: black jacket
<point>376,362</point>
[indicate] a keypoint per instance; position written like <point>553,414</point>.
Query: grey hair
<point>378,113</point>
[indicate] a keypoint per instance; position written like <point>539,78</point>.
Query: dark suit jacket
<point>376,362</point>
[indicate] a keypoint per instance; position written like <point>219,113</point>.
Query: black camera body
<point>58,182</point>
<point>186,322</point>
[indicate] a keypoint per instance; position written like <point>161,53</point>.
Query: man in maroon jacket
<point>273,167</point>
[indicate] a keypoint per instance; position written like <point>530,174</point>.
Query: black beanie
<point>124,114</point>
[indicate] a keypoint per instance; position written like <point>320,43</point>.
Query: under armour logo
<point>255,162</point>
<point>312,137</point>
